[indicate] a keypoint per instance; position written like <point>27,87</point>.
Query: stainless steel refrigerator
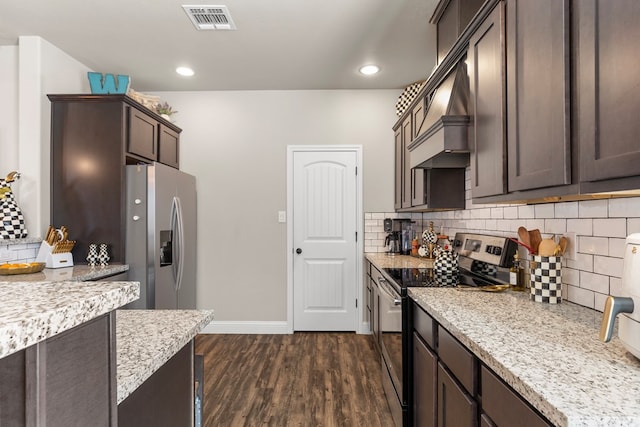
<point>161,236</point>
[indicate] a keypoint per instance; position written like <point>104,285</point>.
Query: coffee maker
<point>400,234</point>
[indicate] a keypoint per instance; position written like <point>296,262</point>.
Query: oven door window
<point>391,334</point>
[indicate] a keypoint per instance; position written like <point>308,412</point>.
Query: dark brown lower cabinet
<point>455,407</point>
<point>67,380</point>
<point>166,398</point>
<point>424,385</point>
<point>503,406</point>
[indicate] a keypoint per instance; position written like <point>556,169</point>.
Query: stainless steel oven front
<point>392,303</point>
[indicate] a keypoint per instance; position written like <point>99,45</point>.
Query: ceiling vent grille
<point>210,17</point>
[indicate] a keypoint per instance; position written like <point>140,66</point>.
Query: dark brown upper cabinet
<point>607,92</point>
<point>92,138</point>
<point>486,68</point>
<point>538,94</point>
<point>451,18</point>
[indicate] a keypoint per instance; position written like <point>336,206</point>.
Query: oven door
<point>390,312</point>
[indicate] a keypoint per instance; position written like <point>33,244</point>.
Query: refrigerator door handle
<point>177,225</point>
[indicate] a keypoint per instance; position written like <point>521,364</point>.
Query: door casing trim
<point>357,149</point>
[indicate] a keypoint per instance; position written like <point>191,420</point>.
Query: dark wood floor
<point>304,379</point>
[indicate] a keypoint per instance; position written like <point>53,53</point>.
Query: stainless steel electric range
<point>483,260</point>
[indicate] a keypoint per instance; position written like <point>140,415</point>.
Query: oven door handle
<point>386,287</point>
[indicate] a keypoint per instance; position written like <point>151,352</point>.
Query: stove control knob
<point>497,250</point>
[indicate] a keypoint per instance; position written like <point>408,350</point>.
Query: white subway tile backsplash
<point>555,226</point>
<point>583,262</point>
<point>593,209</point>
<point>511,212</point>
<point>581,296</point>
<point>616,247</point>
<point>615,286</point>
<point>593,245</point>
<point>610,227</point>
<point>626,207</point>
<point>594,282</point>
<point>497,213</point>
<point>600,227</point>
<point>582,227</point>
<point>566,210</point>
<point>607,265</point>
<point>633,225</point>
<point>526,211</point>
<point>544,210</point>
<point>600,300</point>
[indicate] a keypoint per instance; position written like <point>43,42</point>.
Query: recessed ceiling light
<point>185,71</point>
<point>368,70</point>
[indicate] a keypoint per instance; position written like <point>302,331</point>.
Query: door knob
<point>298,251</point>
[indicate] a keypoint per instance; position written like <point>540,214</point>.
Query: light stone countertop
<point>550,354</point>
<point>79,273</point>
<point>147,339</point>
<point>382,260</point>
<point>31,312</point>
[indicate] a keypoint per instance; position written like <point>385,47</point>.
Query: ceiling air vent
<point>210,17</point>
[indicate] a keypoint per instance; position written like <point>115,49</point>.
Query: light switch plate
<point>282,216</point>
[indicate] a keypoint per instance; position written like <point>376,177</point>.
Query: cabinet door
<point>399,148</point>
<point>76,378</point>
<point>143,135</point>
<point>168,147</point>
<point>487,103</point>
<point>455,407</point>
<point>417,187</point>
<point>608,88</point>
<point>407,132</point>
<point>425,368</point>
<point>538,122</point>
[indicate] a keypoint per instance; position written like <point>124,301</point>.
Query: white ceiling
<point>278,45</point>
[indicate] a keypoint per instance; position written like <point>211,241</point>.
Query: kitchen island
<point>549,354</point>
<point>58,359</point>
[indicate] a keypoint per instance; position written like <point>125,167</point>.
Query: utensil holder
<point>546,279</point>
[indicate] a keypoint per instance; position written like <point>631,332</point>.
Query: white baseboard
<point>246,327</point>
<point>365,328</point>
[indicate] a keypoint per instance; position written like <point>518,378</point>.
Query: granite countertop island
<point>550,354</point>
<point>31,312</point>
<point>147,339</point>
<point>77,273</point>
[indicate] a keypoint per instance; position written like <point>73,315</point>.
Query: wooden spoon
<point>563,243</point>
<point>535,238</point>
<point>547,247</point>
<point>523,236</point>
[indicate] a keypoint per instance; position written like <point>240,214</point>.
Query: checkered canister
<point>546,279</point>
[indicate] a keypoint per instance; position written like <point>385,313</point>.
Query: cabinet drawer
<point>424,325</point>
<point>460,361</point>
<point>503,405</point>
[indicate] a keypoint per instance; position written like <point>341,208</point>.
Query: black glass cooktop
<point>425,277</point>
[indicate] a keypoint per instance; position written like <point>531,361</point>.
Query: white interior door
<point>324,240</point>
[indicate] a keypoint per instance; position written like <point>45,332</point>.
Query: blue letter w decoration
<point>108,84</point>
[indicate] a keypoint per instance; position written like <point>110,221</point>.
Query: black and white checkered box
<point>546,279</point>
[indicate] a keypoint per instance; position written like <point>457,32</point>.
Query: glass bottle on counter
<point>516,274</point>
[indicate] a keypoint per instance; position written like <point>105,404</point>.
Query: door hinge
<point>356,171</point>
<point>356,236</point>
<point>356,302</point>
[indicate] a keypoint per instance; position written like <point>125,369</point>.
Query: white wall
<point>235,143</point>
<point>33,69</point>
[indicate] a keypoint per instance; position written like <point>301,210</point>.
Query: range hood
<point>443,134</point>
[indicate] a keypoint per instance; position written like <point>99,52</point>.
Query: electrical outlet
<point>570,252</point>
<point>282,216</point>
